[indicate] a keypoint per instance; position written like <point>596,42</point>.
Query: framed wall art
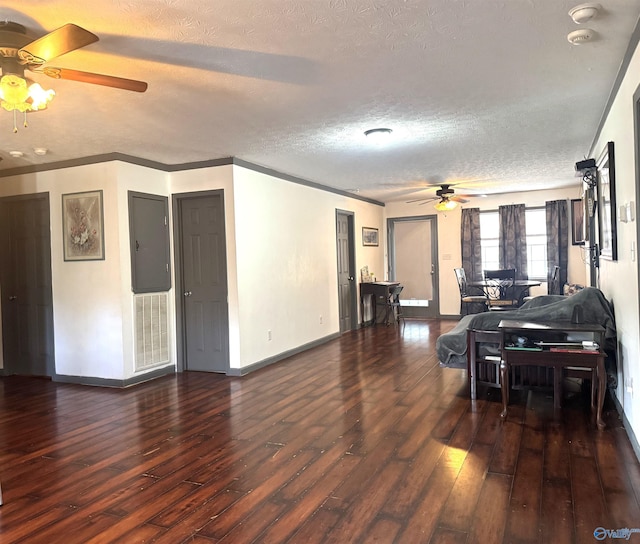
<point>83,226</point>
<point>369,236</point>
<point>607,233</point>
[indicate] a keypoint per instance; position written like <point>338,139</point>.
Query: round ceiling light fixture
<point>378,135</point>
<point>40,150</point>
<point>578,37</point>
<point>584,12</point>
<point>16,154</point>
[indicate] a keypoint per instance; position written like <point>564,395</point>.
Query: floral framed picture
<point>83,226</point>
<point>369,236</point>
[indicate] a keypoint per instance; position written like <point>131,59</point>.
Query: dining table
<point>521,287</point>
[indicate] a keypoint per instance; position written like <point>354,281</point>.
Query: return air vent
<point>151,336</point>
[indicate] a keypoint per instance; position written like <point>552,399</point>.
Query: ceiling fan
<point>448,200</point>
<point>20,52</point>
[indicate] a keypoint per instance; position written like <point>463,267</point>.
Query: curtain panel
<point>470,242</point>
<point>513,239</point>
<point>557,241</point>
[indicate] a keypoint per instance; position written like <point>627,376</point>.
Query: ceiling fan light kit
<point>445,205</point>
<point>22,94</point>
<point>19,52</point>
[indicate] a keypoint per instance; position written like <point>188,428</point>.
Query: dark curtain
<point>513,239</point>
<point>470,241</point>
<point>557,241</point>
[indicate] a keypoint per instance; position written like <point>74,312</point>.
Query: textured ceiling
<point>484,92</point>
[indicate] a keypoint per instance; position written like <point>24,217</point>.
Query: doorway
<point>413,261</point>
<point>347,299</point>
<point>25,279</point>
<point>201,282</point>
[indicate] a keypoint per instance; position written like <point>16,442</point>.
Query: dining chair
<point>483,359</point>
<point>467,299</point>
<point>393,306</point>
<point>553,287</point>
<point>500,289</point>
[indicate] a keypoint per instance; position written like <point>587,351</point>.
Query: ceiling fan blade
<point>428,199</point>
<point>56,43</point>
<point>458,199</point>
<point>423,200</point>
<point>96,79</point>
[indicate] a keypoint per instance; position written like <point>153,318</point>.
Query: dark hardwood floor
<point>364,439</point>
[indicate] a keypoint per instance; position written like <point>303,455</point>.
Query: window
<point>489,241</point>
<point>536,226</point>
<point>536,221</point>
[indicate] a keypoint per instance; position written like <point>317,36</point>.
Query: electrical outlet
<point>269,334</point>
<point>320,320</point>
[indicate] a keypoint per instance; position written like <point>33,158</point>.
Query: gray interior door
<point>25,280</point>
<point>203,282</point>
<point>347,300</point>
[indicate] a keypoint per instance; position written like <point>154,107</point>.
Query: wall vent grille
<point>151,336</point>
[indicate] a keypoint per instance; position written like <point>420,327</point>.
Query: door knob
<point>187,293</point>
<point>350,278</point>
<point>13,297</point>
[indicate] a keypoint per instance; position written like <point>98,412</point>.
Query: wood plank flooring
<point>364,439</point>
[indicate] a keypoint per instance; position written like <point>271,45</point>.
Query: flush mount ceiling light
<point>40,150</point>
<point>16,154</point>
<point>378,135</point>
<point>584,12</point>
<point>578,37</point>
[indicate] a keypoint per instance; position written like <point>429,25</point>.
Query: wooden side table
<point>550,345</point>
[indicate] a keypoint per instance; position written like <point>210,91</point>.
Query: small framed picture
<point>369,236</point>
<point>83,226</point>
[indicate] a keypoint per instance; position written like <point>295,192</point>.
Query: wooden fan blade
<point>96,79</point>
<point>56,43</point>
<point>458,199</point>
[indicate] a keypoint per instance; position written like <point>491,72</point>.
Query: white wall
<point>87,310</point>
<point>449,249</point>
<point>208,179</point>
<point>92,300</point>
<point>287,261</point>
<point>281,257</point>
<point>619,279</point>
<point>131,177</point>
